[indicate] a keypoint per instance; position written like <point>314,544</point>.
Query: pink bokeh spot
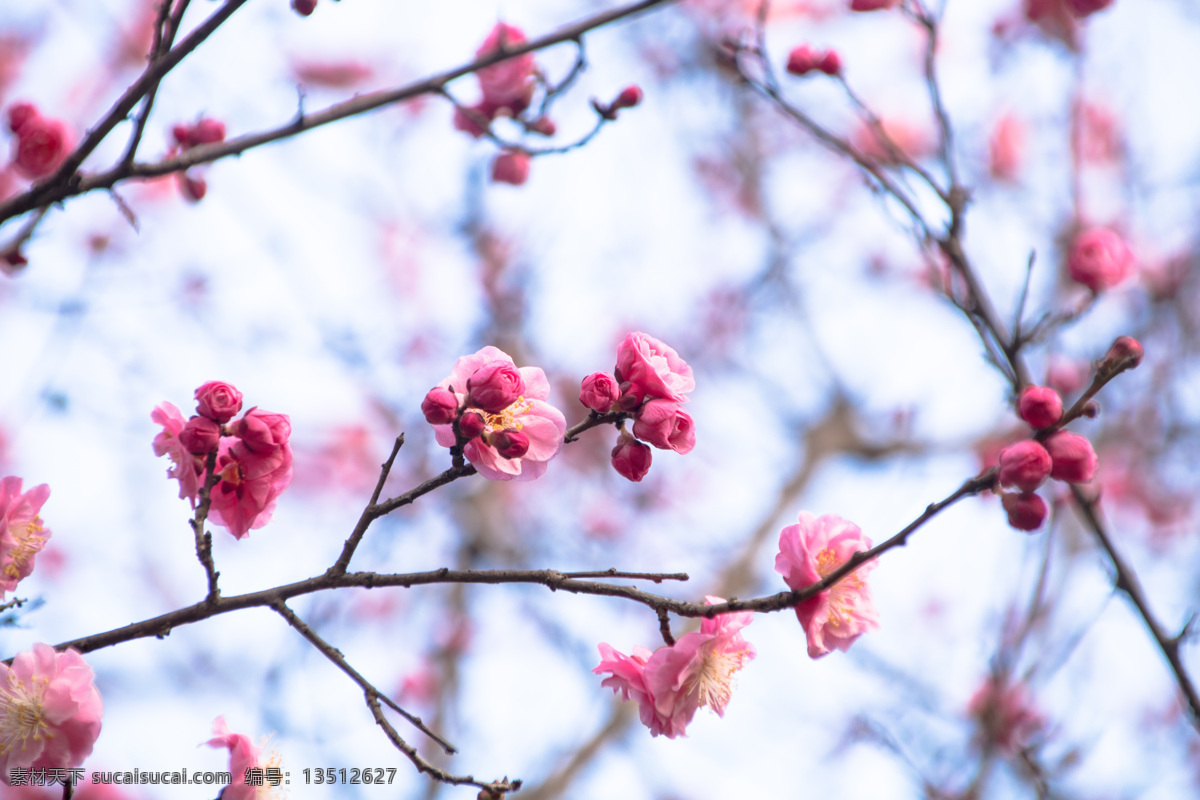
<point>810,551</point>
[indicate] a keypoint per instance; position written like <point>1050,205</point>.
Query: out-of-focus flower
<point>1100,259</point>
<point>512,167</point>
<point>304,7</point>
<point>507,85</point>
<point>1074,460</point>
<point>1006,714</point>
<point>41,145</point>
<point>245,755</point>
<point>49,710</point>
<point>1040,406</point>
<point>872,5</point>
<point>1026,510</point>
<point>655,368</point>
<point>672,683</point>
<point>810,551</point>
<point>1006,148</point>
<point>1126,352</point>
<point>806,58</point>
<point>22,535</point>
<point>529,414</point>
<point>1025,465</point>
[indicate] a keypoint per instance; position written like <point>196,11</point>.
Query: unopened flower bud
<point>192,189</point>
<point>511,166</point>
<point>1126,353</point>
<point>1074,460</point>
<point>261,431</point>
<point>510,442</point>
<point>40,147</point>
<point>1040,406</point>
<point>1026,511</point>
<point>304,7</point>
<point>543,126</point>
<point>1025,465</point>
<point>208,131</point>
<point>830,63</point>
<point>632,395</point>
<point>218,401</point>
<point>495,387</point>
<point>200,435</point>
<point>629,97</point>
<point>631,458</point>
<point>599,391</point>
<point>1100,259</point>
<point>439,406</point>
<point>1091,409</point>
<point>471,424</point>
<point>803,60</point>
<point>182,135</point>
<point>665,425</point>
<point>19,114</point>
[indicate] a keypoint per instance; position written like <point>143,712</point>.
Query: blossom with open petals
<point>655,368</point>
<point>810,551</point>
<point>250,483</point>
<point>530,414</point>
<point>673,682</point>
<point>49,710</point>
<point>186,468</point>
<point>22,536</point>
<point>243,756</point>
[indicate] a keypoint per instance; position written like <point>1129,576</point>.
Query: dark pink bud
<point>665,425</point>
<point>1074,460</point>
<point>262,431</point>
<point>182,135</point>
<point>200,435</point>
<point>629,97</point>
<point>208,131</point>
<point>218,401</point>
<point>599,391</point>
<point>632,395</point>
<point>41,146</point>
<point>1126,353</point>
<point>439,406</point>
<point>510,443</point>
<point>192,189</point>
<point>471,120</point>
<point>543,126</point>
<point>1025,465</point>
<point>471,424</point>
<point>1040,406</point>
<point>1100,259</point>
<point>830,63</point>
<point>495,387</point>
<point>511,166</point>
<point>1082,8</point>
<point>19,114</point>
<point>304,7</point>
<point>803,60</point>
<point>631,458</point>
<point>1026,511</point>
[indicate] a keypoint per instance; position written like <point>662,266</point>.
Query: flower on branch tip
<point>629,97</point>
<point>1100,259</point>
<point>672,683</point>
<point>630,458</point>
<point>508,85</point>
<point>50,710</point>
<point>22,535</point>
<point>1072,456</point>
<point>654,368</point>
<point>1126,352</point>
<point>1025,465</point>
<point>245,756</point>
<point>206,130</point>
<point>511,166</point>
<point>219,401</point>
<point>665,425</point>
<point>528,413</point>
<point>1040,406</point>
<point>1026,510</point>
<point>811,551</point>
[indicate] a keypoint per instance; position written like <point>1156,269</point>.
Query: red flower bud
<point>200,435</point>
<point>263,432</point>
<point>40,147</point>
<point>1025,465</point>
<point>19,114</point>
<point>439,406</point>
<point>304,7</point>
<point>629,97</point>
<point>803,60</point>
<point>599,391</point>
<point>182,135</point>
<point>192,189</point>
<point>511,166</point>
<point>495,387</point>
<point>830,63</point>
<point>1040,406</point>
<point>543,126</point>
<point>208,131</point>
<point>1082,8</point>
<point>1126,353</point>
<point>1074,460</point>
<point>218,401</point>
<point>510,442</point>
<point>1026,511</point>
<point>631,458</point>
<point>471,424</point>
<point>1100,259</point>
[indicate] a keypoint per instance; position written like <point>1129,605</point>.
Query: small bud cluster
<point>204,131</point>
<point>649,383</point>
<point>805,59</point>
<point>251,456</point>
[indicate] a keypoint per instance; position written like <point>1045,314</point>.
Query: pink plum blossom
<point>665,425</point>
<point>262,431</point>
<point>41,146</point>
<point>1040,406</point>
<point>630,458</point>
<point>1025,465</point>
<point>217,400</point>
<point>509,83</point>
<point>494,387</point>
<point>511,167</point>
<point>654,368</point>
<point>599,391</point>
<point>49,710</point>
<point>244,755</point>
<point>200,435</point>
<point>810,551</point>
<point>250,483</point>
<point>1026,510</point>
<point>1100,259</point>
<point>1073,459</point>
<point>439,406</point>
<point>187,469</point>
<point>22,536</point>
<point>530,414</point>
<point>673,682</point>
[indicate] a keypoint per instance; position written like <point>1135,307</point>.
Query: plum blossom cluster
<point>672,683</point>
<point>497,416</point>
<point>41,143</point>
<point>251,457</point>
<point>812,550</point>
<point>49,711</point>
<point>22,535</point>
<point>246,759</point>
<point>1100,259</point>
<point>204,131</point>
<point>650,383</point>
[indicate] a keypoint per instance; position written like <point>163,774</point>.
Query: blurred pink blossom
<point>22,536</point>
<point>243,755</point>
<point>1040,406</point>
<point>1006,715</point>
<point>1074,460</point>
<point>1006,148</point>
<point>1026,510</point>
<point>810,551</point>
<point>1100,259</point>
<point>509,83</point>
<point>1025,465</point>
